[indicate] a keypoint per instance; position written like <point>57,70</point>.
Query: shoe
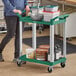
<point>1,58</point>
<point>15,60</point>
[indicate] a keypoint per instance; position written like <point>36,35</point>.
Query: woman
<point>11,7</point>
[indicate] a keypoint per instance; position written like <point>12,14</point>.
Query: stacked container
<point>50,12</point>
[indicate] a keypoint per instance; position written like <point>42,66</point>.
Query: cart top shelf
<point>54,21</point>
<point>28,19</point>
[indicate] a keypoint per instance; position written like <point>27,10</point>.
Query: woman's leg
<point>11,28</point>
<point>17,37</point>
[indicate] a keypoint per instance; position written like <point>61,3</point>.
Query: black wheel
<point>40,31</point>
<point>19,63</point>
<point>50,69</point>
<point>63,65</point>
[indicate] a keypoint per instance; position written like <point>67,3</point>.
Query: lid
<point>51,6</point>
<point>37,7</point>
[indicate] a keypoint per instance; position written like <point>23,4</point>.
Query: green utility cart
<point>54,21</point>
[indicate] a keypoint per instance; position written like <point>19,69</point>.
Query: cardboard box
<point>41,54</point>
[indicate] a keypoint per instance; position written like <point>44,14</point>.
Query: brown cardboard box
<point>41,54</point>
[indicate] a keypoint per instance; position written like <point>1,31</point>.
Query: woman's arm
<point>27,7</point>
<point>8,5</point>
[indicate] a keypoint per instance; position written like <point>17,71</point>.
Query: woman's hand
<point>27,10</point>
<point>17,11</point>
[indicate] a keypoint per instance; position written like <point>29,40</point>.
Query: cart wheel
<point>50,69</point>
<point>19,63</point>
<point>40,31</point>
<point>63,65</point>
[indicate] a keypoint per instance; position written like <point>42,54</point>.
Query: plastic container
<point>30,53</point>
<point>35,9</point>
<point>57,53</point>
<point>50,15</point>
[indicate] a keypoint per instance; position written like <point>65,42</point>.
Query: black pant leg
<point>11,22</point>
<point>17,40</point>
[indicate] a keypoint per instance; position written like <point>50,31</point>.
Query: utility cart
<point>54,21</point>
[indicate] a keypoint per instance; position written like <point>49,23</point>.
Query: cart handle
<point>59,19</point>
<point>19,14</point>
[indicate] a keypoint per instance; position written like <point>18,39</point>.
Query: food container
<point>30,53</point>
<point>50,15</point>
<point>41,54</point>
<point>35,9</point>
<point>51,8</point>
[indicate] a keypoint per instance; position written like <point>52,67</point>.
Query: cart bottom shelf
<point>23,58</point>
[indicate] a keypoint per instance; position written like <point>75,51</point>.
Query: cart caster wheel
<point>19,63</point>
<point>50,69</point>
<point>40,32</point>
<point>62,65</point>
